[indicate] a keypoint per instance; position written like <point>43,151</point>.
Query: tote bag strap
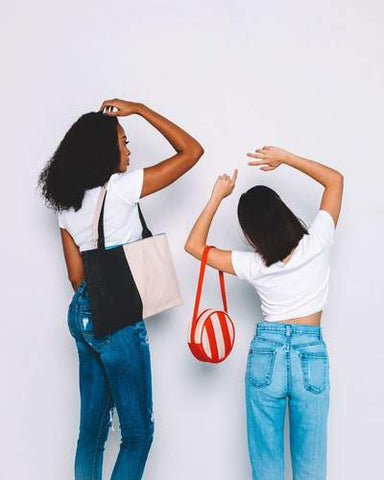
<point>98,220</point>
<point>145,232</point>
<point>200,284</point>
<point>97,214</point>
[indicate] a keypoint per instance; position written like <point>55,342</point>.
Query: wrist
<point>290,158</point>
<point>140,108</point>
<point>215,201</point>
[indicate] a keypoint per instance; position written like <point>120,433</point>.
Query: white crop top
<point>298,287</point>
<point>121,214</point>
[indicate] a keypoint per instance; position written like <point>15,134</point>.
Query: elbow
<point>194,250</point>
<point>339,178</point>
<point>199,151</point>
<point>336,180</point>
<point>188,248</point>
<point>196,151</point>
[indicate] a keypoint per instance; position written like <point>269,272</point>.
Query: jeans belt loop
<point>288,330</point>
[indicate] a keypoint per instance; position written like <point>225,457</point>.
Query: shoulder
<point>322,228</point>
<point>128,185</point>
<point>246,264</point>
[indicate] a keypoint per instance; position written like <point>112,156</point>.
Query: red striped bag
<point>212,333</point>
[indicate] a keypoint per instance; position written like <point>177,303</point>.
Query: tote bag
<point>129,282</point>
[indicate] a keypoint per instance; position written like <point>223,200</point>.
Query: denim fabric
<point>114,372</point>
<point>287,364</point>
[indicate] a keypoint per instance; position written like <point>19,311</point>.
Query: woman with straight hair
<point>114,369</point>
<point>289,267</point>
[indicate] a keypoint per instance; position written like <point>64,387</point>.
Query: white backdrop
<point>306,76</point>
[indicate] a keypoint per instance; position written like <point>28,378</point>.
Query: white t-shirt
<point>121,215</point>
<point>298,287</point>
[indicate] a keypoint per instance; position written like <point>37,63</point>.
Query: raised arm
<point>188,150</point>
<point>331,179</point>
<point>197,238</point>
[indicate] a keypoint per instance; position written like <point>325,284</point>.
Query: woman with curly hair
<point>114,369</point>
<point>289,267</point>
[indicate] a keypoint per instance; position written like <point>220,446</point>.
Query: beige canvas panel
<point>152,267</point>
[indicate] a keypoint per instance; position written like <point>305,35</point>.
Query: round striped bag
<point>212,333</point>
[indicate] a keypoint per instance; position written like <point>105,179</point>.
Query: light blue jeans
<point>287,363</point>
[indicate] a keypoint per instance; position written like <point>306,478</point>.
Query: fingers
<point>260,152</point>
<point>227,178</point>
<point>108,106</point>
<point>266,166</point>
<point>109,111</point>
<point>105,104</point>
<point>257,155</point>
<point>257,162</point>
<point>264,155</point>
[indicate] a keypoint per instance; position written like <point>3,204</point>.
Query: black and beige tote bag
<point>129,282</point>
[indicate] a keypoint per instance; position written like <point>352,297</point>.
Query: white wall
<point>306,76</point>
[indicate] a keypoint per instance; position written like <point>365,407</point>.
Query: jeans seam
<point>98,437</point>
<point>141,353</point>
<point>288,371</point>
<point>149,422</point>
<point>143,455</point>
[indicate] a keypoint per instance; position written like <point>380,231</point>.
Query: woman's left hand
<point>224,186</point>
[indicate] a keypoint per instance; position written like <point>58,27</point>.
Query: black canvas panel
<point>114,298</point>
<point>113,295</point>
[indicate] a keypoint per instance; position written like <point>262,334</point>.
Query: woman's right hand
<point>270,156</point>
<point>124,107</point>
<point>224,186</point>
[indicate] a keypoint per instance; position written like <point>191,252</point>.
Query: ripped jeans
<point>287,364</point>
<point>114,371</point>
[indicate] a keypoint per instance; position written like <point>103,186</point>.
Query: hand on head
<point>123,107</point>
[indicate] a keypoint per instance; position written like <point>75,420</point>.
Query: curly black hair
<point>86,157</point>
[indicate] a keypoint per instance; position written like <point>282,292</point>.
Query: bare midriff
<point>312,319</point>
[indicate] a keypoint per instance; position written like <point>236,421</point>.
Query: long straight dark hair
<point>268,224</point>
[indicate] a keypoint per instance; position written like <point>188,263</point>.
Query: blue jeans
<point>287,363</point>
<point>114,371</point>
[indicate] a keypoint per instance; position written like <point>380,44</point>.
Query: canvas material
<point>151,265</point>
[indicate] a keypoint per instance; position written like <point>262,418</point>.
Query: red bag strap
<point>200,284</point>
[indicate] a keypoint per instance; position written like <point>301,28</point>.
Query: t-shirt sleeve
<point>323,228</point>
<point>60,220</point>
<point>244,264</point>
<point>128,185</point>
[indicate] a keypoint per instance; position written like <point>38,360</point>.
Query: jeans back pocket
<point>315,368</point>
<point>261,361</point>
